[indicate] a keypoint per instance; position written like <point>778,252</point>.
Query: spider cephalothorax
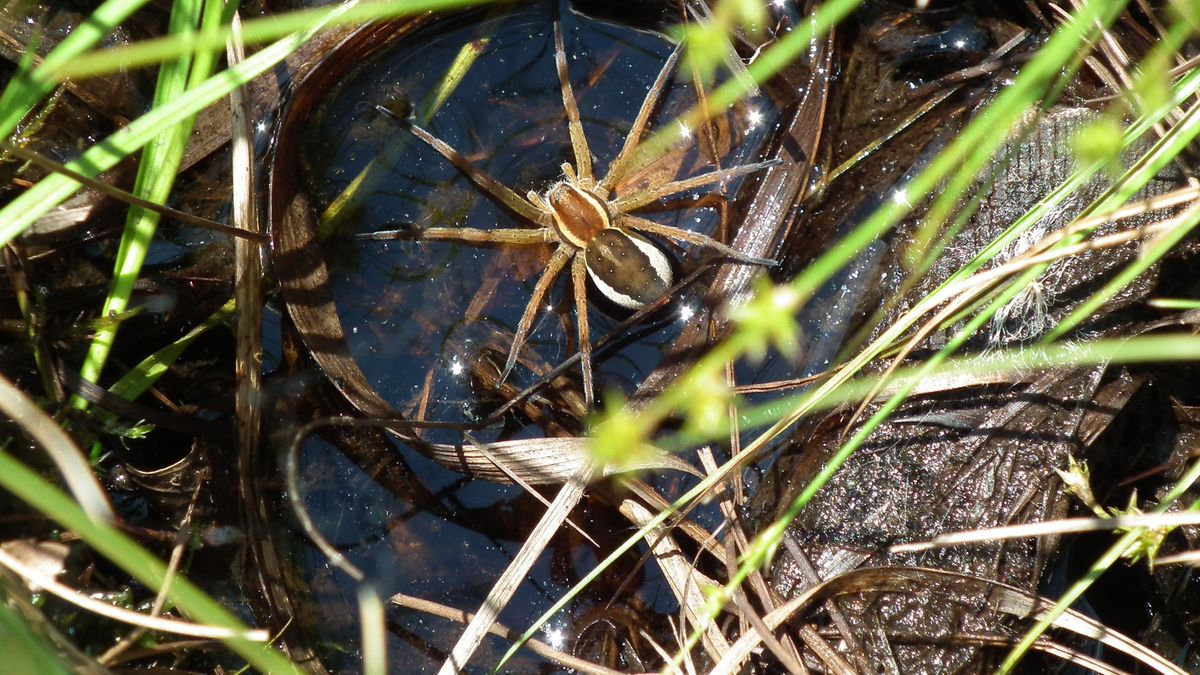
<point>590,228</point>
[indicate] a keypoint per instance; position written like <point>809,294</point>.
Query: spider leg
<point>637,200</point>
<point>556,264</point>
<point>708,200</point>
<point>617,168</point>
<point>678,234</point>
<point>493,189</point>
<point>579,282</point>
<point>583,157</point>
<point>471,235</point>
<point>711,200</point>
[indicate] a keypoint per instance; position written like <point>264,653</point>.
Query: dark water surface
<point>418,314</point>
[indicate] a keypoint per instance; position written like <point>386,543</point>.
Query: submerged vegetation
<point>972,314</point>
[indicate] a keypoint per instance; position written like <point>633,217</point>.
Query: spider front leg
<point>679,234</point>
<point>583,156</point>
<point>708,200</point>
<point>616,170</point>
<point>637,200</point>
<point>495,190</point>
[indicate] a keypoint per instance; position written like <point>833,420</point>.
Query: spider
<point>593,230</point>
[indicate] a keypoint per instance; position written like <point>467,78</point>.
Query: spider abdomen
<point>627,268</point>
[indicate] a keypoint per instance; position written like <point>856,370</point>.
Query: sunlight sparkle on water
<point>754,117</point>
<point>556,638</point>
<point>684,132</point>
<point>779,4</point>
<point>686,312</point>
<point>456,368</point>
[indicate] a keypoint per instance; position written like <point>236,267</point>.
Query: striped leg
<point>557,262</point>
<point>583,156</point>
<point>678,234</point>
<point>639,199</point>
<point>579,281</point>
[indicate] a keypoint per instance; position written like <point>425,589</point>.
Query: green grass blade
<point>254,31</point>
<point>1148,166</point>
<point>113,544</point>
<point>52,190</point>
<point>156,174</point>
<point>146,373</point>
<point>24,650</point>
<point>29,86</point>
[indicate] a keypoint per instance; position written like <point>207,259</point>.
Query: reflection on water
<point>430,323</point>
<point>420,315</point>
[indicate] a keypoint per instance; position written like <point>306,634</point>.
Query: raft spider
<point>589,226</point>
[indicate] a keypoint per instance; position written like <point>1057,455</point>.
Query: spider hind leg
<point>694,238</point>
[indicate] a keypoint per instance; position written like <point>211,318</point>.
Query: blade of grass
<point>129,198</point>
<point>1145,349</point>
<point>28,86</point>
<point>142,376</point>
<point>157,169</point>
<point>66,455</point>
<point>52,190</point>
<point>26,650</point>
<point>1185,304</point>
<point>254,31</point>
<point>113,544</point>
